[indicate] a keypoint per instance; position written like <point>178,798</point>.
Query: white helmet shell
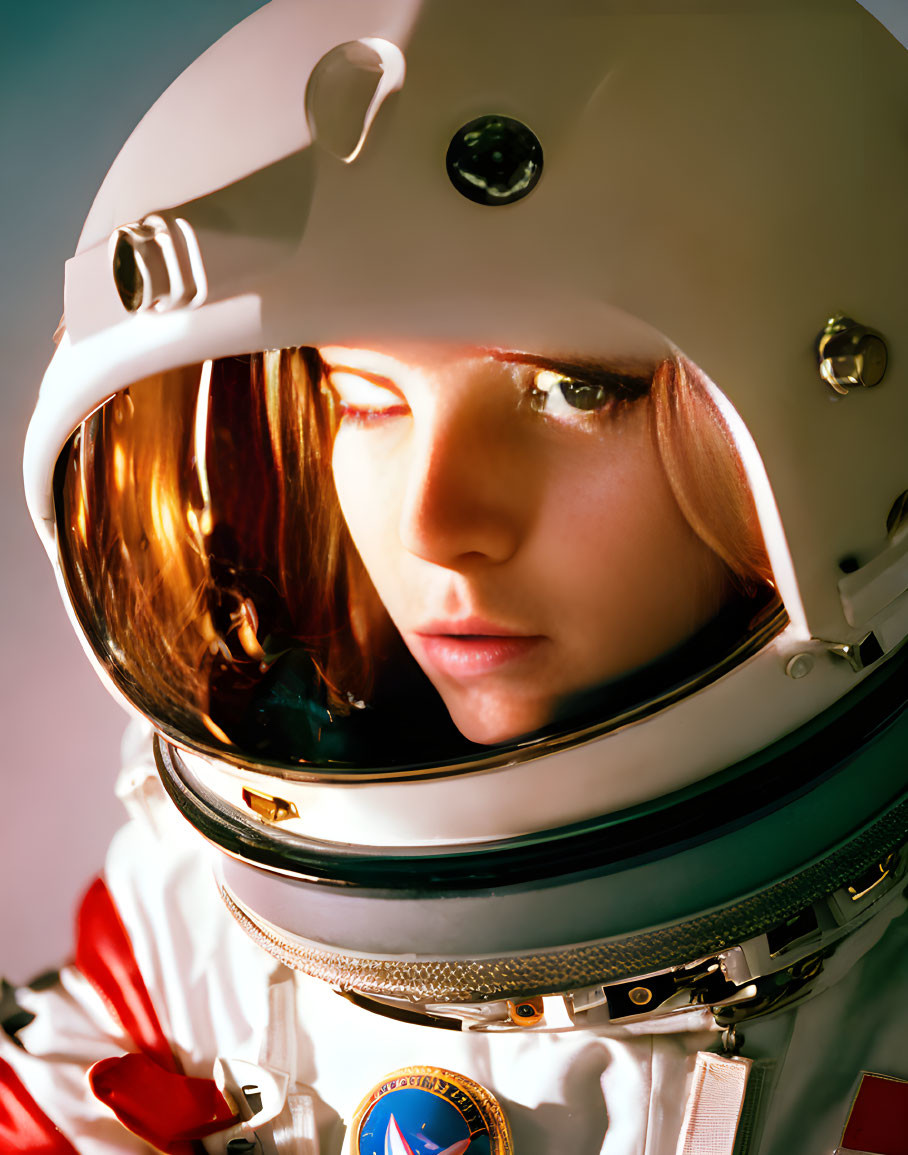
<point>720,178</point>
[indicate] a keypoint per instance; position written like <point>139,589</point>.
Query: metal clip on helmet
<point>338,226</point>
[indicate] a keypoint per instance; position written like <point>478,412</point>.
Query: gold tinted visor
<point>290,562</point>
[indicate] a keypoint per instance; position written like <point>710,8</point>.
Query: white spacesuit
<point>473,453</point>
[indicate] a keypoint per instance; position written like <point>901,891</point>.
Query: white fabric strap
<point>303,1133</point>
<point>278,1046</point>
<point>713,1105</point>
<point>294,1131</point>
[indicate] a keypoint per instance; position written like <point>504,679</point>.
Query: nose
<point>468,493</point>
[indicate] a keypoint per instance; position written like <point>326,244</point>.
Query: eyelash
<point>556,395</point>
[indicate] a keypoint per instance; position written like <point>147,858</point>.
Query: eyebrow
<point>629,380</point>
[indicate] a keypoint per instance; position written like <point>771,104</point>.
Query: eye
<point>363,397</point>
<point>561,396</point>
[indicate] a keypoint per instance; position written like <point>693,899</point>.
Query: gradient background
<point>74,80</point>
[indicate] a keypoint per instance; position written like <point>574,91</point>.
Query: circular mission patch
<point>430,1111</point>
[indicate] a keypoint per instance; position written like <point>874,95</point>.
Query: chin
<point>491,723</point>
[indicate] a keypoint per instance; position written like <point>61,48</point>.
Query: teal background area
<point>74,80</point>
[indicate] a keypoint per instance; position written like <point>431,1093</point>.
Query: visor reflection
<point>406,556</point>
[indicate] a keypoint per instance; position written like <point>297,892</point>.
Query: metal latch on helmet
<point>859,655</point>
<point>269,807</point>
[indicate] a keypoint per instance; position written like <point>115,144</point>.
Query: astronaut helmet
<point>474,447</point>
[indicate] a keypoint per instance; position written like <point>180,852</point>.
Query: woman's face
<point>514,517</point>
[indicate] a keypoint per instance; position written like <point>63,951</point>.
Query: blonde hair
<point>705,472</point>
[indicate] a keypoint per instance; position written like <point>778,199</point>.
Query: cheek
<point>605,504</point>
<point>630,572</point>
<point>366,493</point>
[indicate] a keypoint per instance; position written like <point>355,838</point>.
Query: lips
<point>472,646</point>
